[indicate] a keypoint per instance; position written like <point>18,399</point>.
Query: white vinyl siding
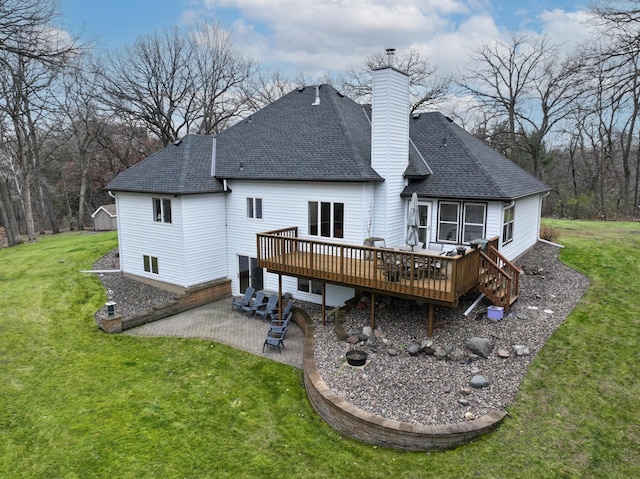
<point>140,236</point>
<point>286,204</point>
<point>204,238</point>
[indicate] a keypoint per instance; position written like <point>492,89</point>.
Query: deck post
<point>372,320</point>
<point>280,297</point>
<point>323,301</point>
<point>430,332</point>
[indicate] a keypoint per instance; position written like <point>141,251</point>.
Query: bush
<point>548,232</point>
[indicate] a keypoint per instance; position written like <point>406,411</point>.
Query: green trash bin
<point>480,243</point>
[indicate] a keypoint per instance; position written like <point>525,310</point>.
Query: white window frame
<point>326,219</point>
<point>150,264</point>
<point>508,220</point>
<point>254,208</point>
<point>448,222</point>
<point>465,223</point>
<point>161,210</point>
<point>460,222</point>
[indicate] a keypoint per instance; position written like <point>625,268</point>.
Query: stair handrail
<point>501,276</point>
<point>514,271</point>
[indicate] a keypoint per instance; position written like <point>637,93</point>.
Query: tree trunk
<point>28,209</point>
<point>8,215</point>
<point>45,199</point>
<point>82,202</point>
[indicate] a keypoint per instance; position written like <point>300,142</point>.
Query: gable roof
<point>312,133</point>
<point>108,209</point>
<point>178,169</point>
<point>463,165</point>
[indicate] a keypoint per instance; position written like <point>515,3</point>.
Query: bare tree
<point>27,29</point>
<point>502,79</point>
<point>426,88</point>
<point>178,81</point>
<point>27,93</point>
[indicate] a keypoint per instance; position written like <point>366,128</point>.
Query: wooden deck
<point>423,275</point>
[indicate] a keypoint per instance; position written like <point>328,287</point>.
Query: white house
<point>336,170</point>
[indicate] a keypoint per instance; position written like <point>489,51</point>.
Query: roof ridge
<point>344,126</point>
<point>459,132</point>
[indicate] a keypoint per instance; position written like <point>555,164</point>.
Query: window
<point>254,208</point>
<point>507,224</point>
<point>161,210</point>
<point>309,286</point>
<point>150,264</point>
<point>474,221</point>
<point>461,222</point>
<point>326,219</point>
<point>250,274</point>
<point>448,216</point>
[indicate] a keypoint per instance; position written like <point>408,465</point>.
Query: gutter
<point>544,240</point>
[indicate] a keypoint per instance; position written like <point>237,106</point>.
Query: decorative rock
<point>478,381</point>
<point>465,391</point>
<point>392,352</point>
<point>469,416</point>
<point>367,332</point>
<point>456,355</point>
<point>361,305</point>
<point>475,370</point>
<point>521,350</point>
<point>428,346</point>
<point>464,402</point>
<point>503,353</point>
<point>473,357</point>
<point>353,339</point>
<point>365,300</point>
<point>413,349</point>
<point>480,346</point>
<point>439,353</point>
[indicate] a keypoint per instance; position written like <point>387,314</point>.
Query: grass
<point>78,403</point>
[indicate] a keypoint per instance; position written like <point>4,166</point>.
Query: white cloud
<point>316,38</point>
<point>567,28</point>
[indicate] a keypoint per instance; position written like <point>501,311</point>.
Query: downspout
<point>544,240</point>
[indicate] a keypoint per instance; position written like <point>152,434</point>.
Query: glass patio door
<point>249,273</point>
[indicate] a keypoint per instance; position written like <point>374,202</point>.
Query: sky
<point>322,37</point>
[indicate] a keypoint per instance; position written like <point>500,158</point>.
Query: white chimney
<point>390,148</point>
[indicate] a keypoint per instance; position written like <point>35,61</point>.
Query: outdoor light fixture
<point>111,308</point>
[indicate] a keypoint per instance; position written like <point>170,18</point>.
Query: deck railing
<point>416,274</point>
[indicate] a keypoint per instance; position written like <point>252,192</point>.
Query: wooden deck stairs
<point>498,279</point>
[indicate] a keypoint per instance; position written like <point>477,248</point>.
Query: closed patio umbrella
<point>413,222</point>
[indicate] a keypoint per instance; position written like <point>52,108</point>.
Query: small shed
<point>105,218</point>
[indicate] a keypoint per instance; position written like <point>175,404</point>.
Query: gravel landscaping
<point>432,387</point>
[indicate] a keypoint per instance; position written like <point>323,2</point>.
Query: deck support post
<point>430,331</point>
<point>324,290</point>
<point>280,297</point>
<point>372,319</point>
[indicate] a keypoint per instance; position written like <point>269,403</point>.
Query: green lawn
<point>75,402</point>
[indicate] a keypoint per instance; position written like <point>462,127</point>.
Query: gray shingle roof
<point>178,169</point>
<point>293,139</point>
<point>464,166</point>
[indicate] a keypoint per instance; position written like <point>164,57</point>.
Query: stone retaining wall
<point>193,297</point>
<point>369,428</point>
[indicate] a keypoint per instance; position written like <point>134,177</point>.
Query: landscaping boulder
<point>480,346</point>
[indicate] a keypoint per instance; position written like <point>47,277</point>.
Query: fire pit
<point>356,357</point>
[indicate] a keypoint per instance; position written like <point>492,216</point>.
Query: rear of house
<point>336,170</point>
